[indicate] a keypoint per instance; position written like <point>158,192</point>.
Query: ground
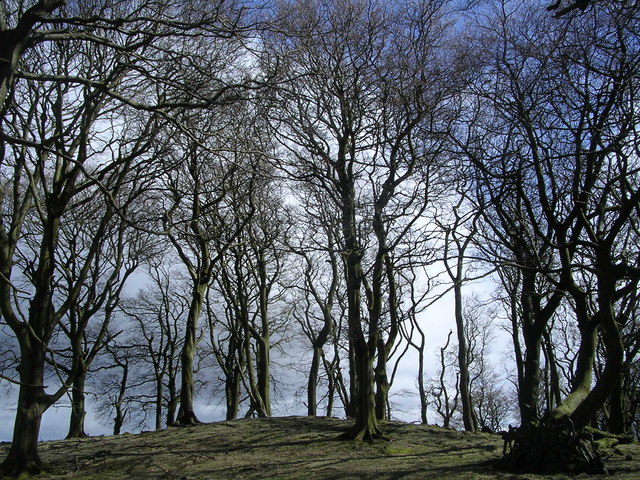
<point>294,448</point>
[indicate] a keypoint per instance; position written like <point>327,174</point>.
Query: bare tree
<point>445,403</point>
<point>157,313</point>
<point>316,311</point>
<point>354,123</point>
<point>561,185</point>
<point>246,282</point>
<point>69,72</point>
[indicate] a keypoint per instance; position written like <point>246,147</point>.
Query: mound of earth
<point>294,448</point>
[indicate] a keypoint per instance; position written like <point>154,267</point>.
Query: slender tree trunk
<point>529,388</point>
<point>468,415</point>
<point>186,414</point>
<point>313,382</point>
<point>554,397</point>
<point>351,406</point>
<point>78,412</point>
<point>264,342</point>
<point>118,420</point>
<point>331,388</point>
<point>382,381</point>
<point>253,388</point>
<point>264,380</point>
<point>421,389</point>
<point>385,347</point>
<point>515,338</point>
<point>159,392</point>
<point>232,393</point>
<point>172,403</point>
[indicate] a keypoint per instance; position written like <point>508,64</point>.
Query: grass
<point>294,448</point>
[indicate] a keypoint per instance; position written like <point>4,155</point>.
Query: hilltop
<point>293,448</point>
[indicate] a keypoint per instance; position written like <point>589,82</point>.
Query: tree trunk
<point>159,390</point>
<point>584,370</point>
<point>468,415</point>
<point>382,382</point>
<point>78,413</point>
<point>554,396</point>
<point>172,403</point>
<point>17,39</point>
<point>351,406</point>
<point>529,388</point>
<point>232,393</point>
<point>616,422</point>
<point>118,420</point>
<point>312,385</point>
<point>421,390</point>
<point>611,374</point>
<point>331,388</point>
<point>366,424</point>
<point>23,455</point>
<point>186,414</point>
<point>264,342</point>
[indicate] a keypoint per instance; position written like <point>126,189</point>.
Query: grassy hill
<point>293,448</point>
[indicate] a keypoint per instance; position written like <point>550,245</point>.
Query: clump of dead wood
<point>551,446</point>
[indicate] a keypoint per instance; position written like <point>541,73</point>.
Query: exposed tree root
<point>12,467</point>
<point>553,446</point>
<point>364,433</point>
<point>186,418</point>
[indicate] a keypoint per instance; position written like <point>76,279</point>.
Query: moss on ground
<point>294,448</point>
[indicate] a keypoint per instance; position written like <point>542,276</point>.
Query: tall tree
<point>217,169</point>
<point>357,122</point>
<point>573,205</point>
<point>156,315</point>
<point>67,72</point>
<point>319,259</point>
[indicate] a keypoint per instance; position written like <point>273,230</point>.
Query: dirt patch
<point>294,448</point>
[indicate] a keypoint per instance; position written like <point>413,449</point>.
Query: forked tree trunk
<point>366,424</point>
<point>609,378</point>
